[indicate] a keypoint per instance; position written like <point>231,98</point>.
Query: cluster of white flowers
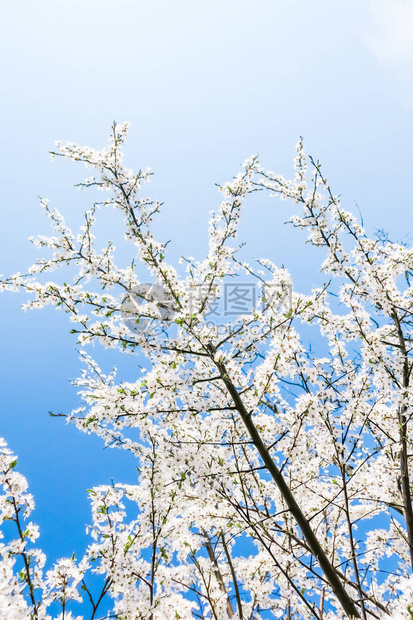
<point>274,480</point>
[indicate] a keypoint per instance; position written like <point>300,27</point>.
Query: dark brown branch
<point>317,550</point>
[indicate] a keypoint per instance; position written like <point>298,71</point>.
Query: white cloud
<point>391,39</point>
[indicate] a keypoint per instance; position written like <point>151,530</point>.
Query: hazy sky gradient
<point>205,85</point>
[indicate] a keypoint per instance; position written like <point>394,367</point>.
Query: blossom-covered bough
<point>273,482</point>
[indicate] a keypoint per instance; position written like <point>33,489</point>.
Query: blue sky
<point>205,85</point>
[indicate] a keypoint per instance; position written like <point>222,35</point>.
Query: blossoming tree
<point>273,482</point>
